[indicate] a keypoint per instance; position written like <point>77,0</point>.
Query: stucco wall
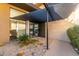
<point>4,23</point>
<point>57,30</point>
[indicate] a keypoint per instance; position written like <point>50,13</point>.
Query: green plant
<point>73,34</point>
<point>23,38</point>
<point>26,40</point>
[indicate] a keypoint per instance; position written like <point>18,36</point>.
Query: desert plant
<point>23,38</point>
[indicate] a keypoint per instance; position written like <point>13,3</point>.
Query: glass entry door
<point>34,29</point>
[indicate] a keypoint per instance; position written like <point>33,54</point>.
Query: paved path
<point>60,48</point>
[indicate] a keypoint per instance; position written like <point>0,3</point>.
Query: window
<point>34,29</point>
<point>17,26</point>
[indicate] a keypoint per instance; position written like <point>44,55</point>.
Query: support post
<point>27,27</point>
<point>47,33</point>
<point>47,41</point>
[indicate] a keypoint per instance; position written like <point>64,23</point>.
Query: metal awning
<point>58,11</point>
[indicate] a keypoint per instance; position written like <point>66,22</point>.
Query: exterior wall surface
<point>57,30</point>
<point>4,23</point>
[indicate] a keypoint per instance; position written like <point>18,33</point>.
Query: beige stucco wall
<point>4,23</point>
<point>57,30</point>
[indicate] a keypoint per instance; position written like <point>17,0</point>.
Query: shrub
<point>73,34</point>
<point>23,38</point>
<point>26,40</point>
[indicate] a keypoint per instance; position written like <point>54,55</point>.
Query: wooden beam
<point>28,7</point>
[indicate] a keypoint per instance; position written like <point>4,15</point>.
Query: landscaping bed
<point>14,48</point>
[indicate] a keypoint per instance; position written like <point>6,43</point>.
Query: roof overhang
<point>58,11</point>
<point>26,6</point>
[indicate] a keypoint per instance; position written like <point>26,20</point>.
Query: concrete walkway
<point>60,48</point>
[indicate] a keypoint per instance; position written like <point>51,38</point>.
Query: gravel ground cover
<point>13,49</point>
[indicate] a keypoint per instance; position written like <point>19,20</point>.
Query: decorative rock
<point>40,43</point>
<point>21,53</point>
<point>13,49</point>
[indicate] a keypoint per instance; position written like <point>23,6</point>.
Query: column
<point>27,27</point>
